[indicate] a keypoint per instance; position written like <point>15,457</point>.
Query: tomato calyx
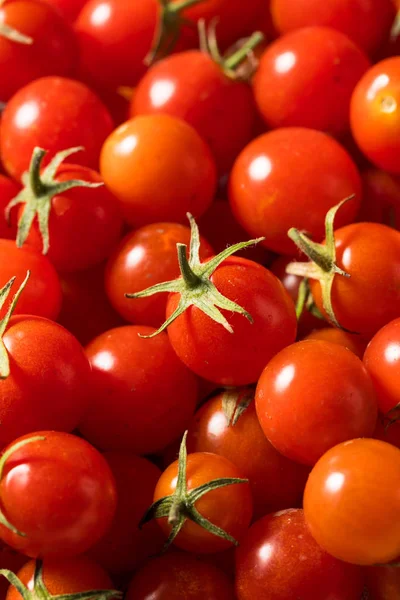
<point>322,265</point>
<point>40,591</point>
<point>12,34</point>
<point>169,28</point>
<point>194,286</point>
<point>5,456</point>
<point>235,402</point>
<point>38,192</point>
<point>180,506</point>
<point>4,293</point>
<point>229,64</point>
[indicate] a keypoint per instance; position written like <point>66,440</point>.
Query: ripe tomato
<point>376,17</point>
<point>279,181</point>
<point>353,342</point>
<point>374,114</point>
<point>53,113</point>
<point>314,67</point>
<point>351,502</point>
<point>313,395</point>
<point>158,177</point>
<point>278,559</point>
<point>383,582</point>
<point>124,547</point>
<point>12,560</point>
<point>66,523</point>
<point>53,50</point>
<point>68,8</point>
<point>145,257</point>
<point>8,190</point>
<point>382,361</point>
<point>141,409</point>
<point>380,198</point>
<point>225,425</point>
<point>179,576</point>
<point>42,294</point>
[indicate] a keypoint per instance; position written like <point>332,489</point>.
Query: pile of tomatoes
<point>199,299</point>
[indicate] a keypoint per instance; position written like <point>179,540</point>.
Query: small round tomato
<point>314,67</point>
<point>158,168</point>
<point>374,114</point>
<point>66,523</point>
<point>53,113</point>
<point>227,424</point>
<point>353,342</point>
<point>145,257</point>
<point>278,559</point>
<point>313,395</point>
<point>376,17</point>
<point>179,576</point>
<point>380,198</point>
<point>8,190</point>
<point>143,396</point>
<point>352,501</point>
<point>280,181</point>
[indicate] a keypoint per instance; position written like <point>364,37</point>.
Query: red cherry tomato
<point>12,560</point>
<point>8,190</point>
<point>352,342</point>
<point>346,16</point>
<point>314,67</point>
<point>312,396</point>
<point>66,523</point>
<point>53,51</point>
<point>159,169</point>
<point>278,559</point>
<point>143,396</point>
<point>374,114</point>
<point>145,257</point>
<point>179,576</point>
<point>53,113</point>
<point>280,181</point>
<point>380,198</point>
<point>351,502</point>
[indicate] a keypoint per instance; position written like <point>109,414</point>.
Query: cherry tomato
<point>145,257</point>
<point>143,395</point>
<point>53,51</point>
<point>49,382</point>
<point>53,113</point>
<point>275,481</point>
<point>193,87</point>
<point>158,177</point>
<point>314,67</point>
<point>346,16</point>
<point>125,547</point>
<point>42,294</point>
<point>280,181</point>
<point>278,559</point>
<point>351,502</point>
<point>66,523</point>
<point>12,560</point>
<point>383,582</point>
<point>380,198</point>
<point>313,395</point>
<point>374,114</point>
<point>179,576</point>
<point>353,342</point>
<point>8,190</point>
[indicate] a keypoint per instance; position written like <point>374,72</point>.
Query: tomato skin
<point>344,15</point>
<point>145,257</point>
<point>268,565</point>
<point>192,87</point>
<point>314,386</point>
<point>229,507</point>
<point>12,560</point>
<point>158,177</point>
<point>53,113</point>
<point>42,294</point>
<point>315,66</point>
<point>380,198</point>
<point>382,362</point>
<point>235,359</point>
<point>133,409</point>
<point>352,342</point>
<point>64,576</point>
<point>370,254</point>
<point>279,182</point>
<point>275,481</point>
<point>179,576</point>
<point>383,582</point>
<point>374,114</point>
<point>8,190</point>
<point>49,382</point>
<point>124,547</point>
<point>387,433</point>
<point>350,504</point>
<point>70,522</point>
<point>68,8</point>
<point>53,51</point>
